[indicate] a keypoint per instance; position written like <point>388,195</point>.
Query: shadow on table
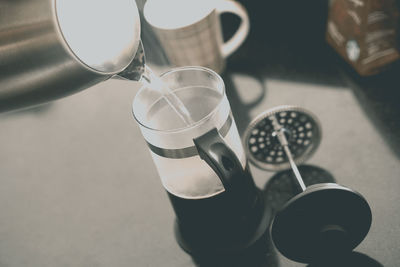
<point>261,254</point>
<point>240,109</point>
<point>286,42</point>
<point>379,96</point>
<point>283,185</point>
<point>35,110</point>
<point>353,259</point>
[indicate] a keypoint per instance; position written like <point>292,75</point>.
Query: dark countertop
<point>78,186</point>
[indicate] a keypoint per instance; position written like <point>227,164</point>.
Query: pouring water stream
<point>152,81</point>
<point>139,71</point>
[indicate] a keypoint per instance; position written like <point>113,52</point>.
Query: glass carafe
<point>202,165</point>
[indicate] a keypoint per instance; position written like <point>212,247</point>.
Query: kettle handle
<point>212,149</point>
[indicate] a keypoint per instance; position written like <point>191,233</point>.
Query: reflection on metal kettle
<point>53,48</point>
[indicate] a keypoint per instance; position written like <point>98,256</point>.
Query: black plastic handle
<point>213,150</point>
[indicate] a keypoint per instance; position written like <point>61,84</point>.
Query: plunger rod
<point>294,168</point>
<point>280,134</point>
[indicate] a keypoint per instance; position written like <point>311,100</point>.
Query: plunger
<point>324,220</point>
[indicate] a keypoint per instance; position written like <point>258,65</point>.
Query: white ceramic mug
<point>190,30</point>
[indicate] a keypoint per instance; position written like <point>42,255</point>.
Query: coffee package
<point>365,33</point>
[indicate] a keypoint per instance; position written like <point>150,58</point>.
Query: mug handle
<point>229,6</point>
<point>213,150</point>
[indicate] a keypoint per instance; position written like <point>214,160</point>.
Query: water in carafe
<point>178,109</point>
<point>163,115</point>
<point>176,113</point>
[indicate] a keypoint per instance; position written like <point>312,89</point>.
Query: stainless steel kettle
<point>53,48</point>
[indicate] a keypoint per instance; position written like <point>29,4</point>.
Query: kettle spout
<point>134,71</point>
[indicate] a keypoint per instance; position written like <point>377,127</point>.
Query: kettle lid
<point>103,34</point>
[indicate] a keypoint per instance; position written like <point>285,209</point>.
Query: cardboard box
<point>364,33</point>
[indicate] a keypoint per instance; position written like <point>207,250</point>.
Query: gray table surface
<point>78,186</point>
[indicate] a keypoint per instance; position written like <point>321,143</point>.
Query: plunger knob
<point>325,220</point>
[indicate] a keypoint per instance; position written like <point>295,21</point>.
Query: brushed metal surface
<point>37,64</point>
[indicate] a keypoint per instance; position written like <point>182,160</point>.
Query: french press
<point>202,164</point>
<point>324,219</point>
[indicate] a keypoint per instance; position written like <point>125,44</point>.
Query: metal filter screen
<point>302,131</point>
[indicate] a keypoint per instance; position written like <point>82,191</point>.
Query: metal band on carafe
<point>191,151</point>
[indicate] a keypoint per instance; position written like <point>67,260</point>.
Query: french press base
<point>227,223</point>
<point>235,239</point>
<point>324,220</point>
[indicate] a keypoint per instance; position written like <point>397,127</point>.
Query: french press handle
<point>212,149</point>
